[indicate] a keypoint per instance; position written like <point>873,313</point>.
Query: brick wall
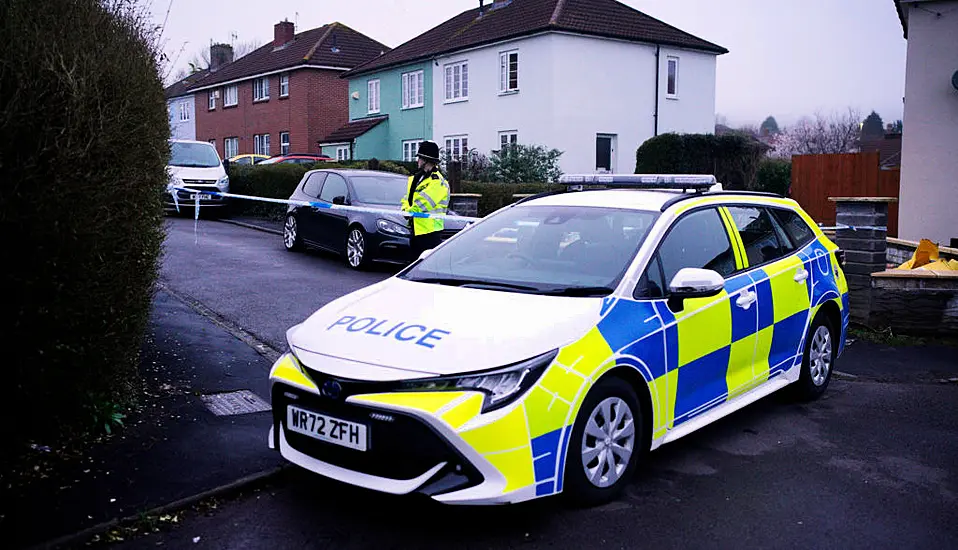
<point>317,104</point>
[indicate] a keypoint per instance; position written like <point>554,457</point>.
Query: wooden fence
<point>817,177</point>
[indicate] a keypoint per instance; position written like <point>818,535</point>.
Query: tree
<point>770,126</point>
<point>201,59</point>
<point>821,134</point>
<point>896,127</point>
<point>873,126</point>
<point>519,163</point>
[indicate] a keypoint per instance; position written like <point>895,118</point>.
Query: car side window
<point>795,226</point>
<point>762,240</point>
<point>696,240</point>
<point>314,184</point>
<point>652,285</point>
<point>335,186</point>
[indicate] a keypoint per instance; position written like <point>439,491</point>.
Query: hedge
<point>733,159</point>
<point>774,176</point>
<point>497,195</point>
<point>83,153</point>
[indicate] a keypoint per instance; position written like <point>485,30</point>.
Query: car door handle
<point>801,275</point>
<point>746,299</point>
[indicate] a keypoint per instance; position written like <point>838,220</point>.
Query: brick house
<point>284,96</point>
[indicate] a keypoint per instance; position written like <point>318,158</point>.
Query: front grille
<point>200,182</point>
<point>403,448</point>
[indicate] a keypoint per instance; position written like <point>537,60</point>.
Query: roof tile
<point>354,129</point>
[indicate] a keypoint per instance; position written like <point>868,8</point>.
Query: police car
<point>546,348</point>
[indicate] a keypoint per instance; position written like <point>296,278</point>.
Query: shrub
<point>274,181</point>
<point>83,154</point>
<point>733,159</point>
<point>518,163</point>
<point>497,195</point>
<point>774,176</point>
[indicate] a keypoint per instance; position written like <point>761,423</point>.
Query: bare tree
<point>821,134</point>
<point>201,59</point>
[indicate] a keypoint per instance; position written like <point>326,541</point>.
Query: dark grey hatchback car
<point>361,237</point>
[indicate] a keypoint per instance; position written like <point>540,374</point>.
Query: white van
<point>195,166</point>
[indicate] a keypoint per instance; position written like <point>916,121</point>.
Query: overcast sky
<point>788,58</point>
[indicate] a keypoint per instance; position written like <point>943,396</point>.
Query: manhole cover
<point>234,403</point>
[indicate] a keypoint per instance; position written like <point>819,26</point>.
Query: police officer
<point>427,192</point>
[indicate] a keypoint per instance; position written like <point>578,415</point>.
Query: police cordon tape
<point>320,205</point>
<point>853,227</point>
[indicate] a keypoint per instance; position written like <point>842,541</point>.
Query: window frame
<point>284,143</point>
<point>506,86</point>
<point>341,149</point>
<point>414,149</point>
<point>261,144</point>
<point>372,84</point>
<point>507,134</point>
<point>284,84</point>
<point>226,146</point>
<point>665,235</point>
<point>406,83</point>
<point>211,100</point>
<point>450,83</point>
<point>226,95</point>
<point>674,93</point>
<point>183,111</point>
<point>261,86</point>
<point>463,148</point>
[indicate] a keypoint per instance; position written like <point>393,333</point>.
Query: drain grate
<point>234,403</point>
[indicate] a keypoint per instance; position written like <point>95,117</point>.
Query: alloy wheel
<point>290,232</point>
<point>820,355</point>
<point>355,248</point>
<point>608,442</point>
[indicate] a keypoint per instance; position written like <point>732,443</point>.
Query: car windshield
<point>193,155</point>
<point>382,190</point>
<point>560,250</point>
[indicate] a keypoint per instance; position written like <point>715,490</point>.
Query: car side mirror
<point>340,200</point>
<point>696,283</point>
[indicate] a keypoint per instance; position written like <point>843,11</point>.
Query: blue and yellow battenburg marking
<point>725,351</point>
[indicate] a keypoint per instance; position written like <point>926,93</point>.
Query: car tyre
<point>607,442</point>
<point>818,361</point>
<point>291,236</point>
<point>357,248</point>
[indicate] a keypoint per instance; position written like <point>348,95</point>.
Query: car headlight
<point>223,184</point>
<point>392,228</point>
<point>501,386</point>
<point>175,181</point>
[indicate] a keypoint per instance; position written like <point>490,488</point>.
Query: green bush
<point>274,181</point>
<point>774,176</point>
<point>497,195</point>
<point>518,163</point>
<point>83,153</point>
<point>733,159</point>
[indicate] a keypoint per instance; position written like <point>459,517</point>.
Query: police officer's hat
<point>428,151</point>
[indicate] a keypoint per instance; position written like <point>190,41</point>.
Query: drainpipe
<point>655,115</point>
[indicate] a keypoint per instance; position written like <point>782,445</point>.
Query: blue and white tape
<point>320,205</point>
<point>854,227</point>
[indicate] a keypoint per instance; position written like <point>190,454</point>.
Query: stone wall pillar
<point>865,246</point>
<point>465,204</point>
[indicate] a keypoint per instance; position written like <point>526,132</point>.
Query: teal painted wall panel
<point>385,141</point>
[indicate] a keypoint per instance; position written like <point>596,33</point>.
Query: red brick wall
<point>317,105</point>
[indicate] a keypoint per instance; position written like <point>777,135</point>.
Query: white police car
<point>547,347</point>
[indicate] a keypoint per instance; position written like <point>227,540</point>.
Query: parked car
<point>248,159</point>
<point>196,166</point>
<point>297,159</point>
<point>545,349</point>
<point>361,237</point>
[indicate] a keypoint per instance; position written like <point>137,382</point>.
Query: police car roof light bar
<point>677,182</point>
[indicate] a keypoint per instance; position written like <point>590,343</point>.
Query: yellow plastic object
<point>926,253</point>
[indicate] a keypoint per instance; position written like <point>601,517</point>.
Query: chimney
<point>283,33</point>
<point>482,8</point>
<point>220,55</point>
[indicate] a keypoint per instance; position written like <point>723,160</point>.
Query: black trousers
<point>421,243</point>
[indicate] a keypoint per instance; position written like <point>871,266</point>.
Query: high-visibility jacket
<point>428,194</point>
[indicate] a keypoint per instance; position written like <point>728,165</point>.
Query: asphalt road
<point>874,464</point>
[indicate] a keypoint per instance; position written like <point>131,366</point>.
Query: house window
<point>284,85</point>
<point>410,149</point>
<point>261,89</point>
<point>605,153</point>
<point>456,147</point>
<point>457,81</point>
<point>508,139</point>
<point>184,110</point>
<point>230,96</point>
<point>342,152</point>
<point>231,147</point>
<point>509,72</point>
<point>212,99</point>
<point>261,144</point>
<point>672,85</point>
<point>284,143</point>
<point>413,94</point>
<point>372,89</point>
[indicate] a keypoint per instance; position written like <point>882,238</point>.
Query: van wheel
<point>818,359</point>
<point>606,443</point>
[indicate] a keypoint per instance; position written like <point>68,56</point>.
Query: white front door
<point>605,147</point>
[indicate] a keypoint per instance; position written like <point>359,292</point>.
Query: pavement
<point>172,448</point>
<point>871,465</point>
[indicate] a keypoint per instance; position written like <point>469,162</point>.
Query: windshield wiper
<point>581,291</point>
<point>451,281</point>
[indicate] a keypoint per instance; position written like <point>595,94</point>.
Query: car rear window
<point>795,226</point>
